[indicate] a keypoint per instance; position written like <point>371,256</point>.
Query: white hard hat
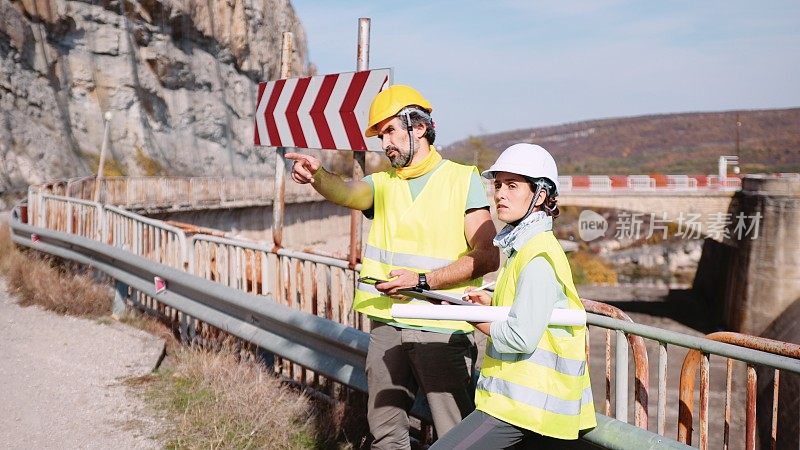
<point>528,160</point>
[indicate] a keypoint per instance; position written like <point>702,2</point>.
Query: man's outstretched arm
<point>351,194</point>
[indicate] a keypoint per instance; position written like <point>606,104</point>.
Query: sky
<point>492,66</point>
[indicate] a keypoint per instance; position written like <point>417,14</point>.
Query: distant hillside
<point>669,143</point>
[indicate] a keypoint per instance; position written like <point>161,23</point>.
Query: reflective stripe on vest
<point>535,398</point>
<point>419,234</point>
<point>426,263</point>
<point>541,357</point>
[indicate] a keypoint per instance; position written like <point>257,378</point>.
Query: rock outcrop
<point>179,79</point>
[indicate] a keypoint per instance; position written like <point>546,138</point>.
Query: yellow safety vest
<point>547,391</point>
<point>421,235</point>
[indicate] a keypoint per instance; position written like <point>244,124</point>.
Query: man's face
<point>394,141</point>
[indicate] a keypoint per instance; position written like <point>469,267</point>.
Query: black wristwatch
<point>423,283</point>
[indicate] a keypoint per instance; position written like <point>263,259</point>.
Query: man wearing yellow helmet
<point>431,229</point>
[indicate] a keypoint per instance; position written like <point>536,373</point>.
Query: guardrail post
<point>267,357</point>
<point>186,328</point>
<point>120,295</point>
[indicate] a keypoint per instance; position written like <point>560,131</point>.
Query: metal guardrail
<point>324,346</point>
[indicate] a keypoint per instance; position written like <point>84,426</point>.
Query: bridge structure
<point>696,204</point>
<point>297,305</point>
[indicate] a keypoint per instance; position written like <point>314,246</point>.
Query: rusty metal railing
<point>641,367</point>
<point>176,192</point>
<point>81,217</point>
<point>152,239</point>
<point>736,350</point>
<point>314,283</point>
<point>687,392</point>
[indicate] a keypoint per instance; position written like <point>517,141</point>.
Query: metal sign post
<point>280,160</point>
<point>359,158</point>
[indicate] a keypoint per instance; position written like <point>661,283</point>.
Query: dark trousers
<point>399,361</point>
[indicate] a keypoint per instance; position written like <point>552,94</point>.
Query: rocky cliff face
<point>179,78</point>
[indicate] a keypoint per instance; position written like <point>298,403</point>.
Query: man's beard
<point>401,160</point>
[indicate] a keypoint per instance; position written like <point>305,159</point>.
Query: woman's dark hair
<point>418,116</point>
<point>550,205</point>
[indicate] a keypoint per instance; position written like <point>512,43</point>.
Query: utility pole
<point>738,125</point>
<point>359,158</point>
<point>278,203</point>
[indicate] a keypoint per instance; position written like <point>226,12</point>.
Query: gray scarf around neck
<point>508,235</point>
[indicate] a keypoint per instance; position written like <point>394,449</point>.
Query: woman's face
<point>512,196</point>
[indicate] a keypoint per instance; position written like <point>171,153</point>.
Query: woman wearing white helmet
<point>534,380</point>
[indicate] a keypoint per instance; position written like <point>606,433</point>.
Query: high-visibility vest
<point>420,234</point>
<point>547,391</point>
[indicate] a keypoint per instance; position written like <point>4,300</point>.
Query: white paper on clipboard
<point>559,317</point>
<point>435,296</point>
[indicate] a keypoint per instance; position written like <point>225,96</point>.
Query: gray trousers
<point>399,361</point>
<point>480,431</point>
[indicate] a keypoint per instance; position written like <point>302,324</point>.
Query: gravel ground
<point>61,381</point>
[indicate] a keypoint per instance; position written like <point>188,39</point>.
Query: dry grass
<point>62,288</point>
<point>217,400</point>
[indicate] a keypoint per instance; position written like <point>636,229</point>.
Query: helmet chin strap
<point>540,184</point>
<point>410,130</point>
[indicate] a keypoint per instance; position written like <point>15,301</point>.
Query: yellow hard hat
<point>390,101</point>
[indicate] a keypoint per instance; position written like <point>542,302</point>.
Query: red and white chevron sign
<point>326,111</point>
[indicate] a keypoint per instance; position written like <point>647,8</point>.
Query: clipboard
<point>422,294</point>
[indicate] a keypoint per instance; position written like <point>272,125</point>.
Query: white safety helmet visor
<point>528,160</point>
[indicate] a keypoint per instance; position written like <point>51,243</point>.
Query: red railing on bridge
<point>654,182</point>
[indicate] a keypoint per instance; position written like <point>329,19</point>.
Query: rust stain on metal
<point>726,432</point>
<point>686,396</point>
<point>641,365</point>
<point>704,369</point>
<point>775,392</point>
<point>689,369</point>
<point>750,411</point>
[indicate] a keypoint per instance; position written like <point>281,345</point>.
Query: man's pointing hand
<point>304,167</point>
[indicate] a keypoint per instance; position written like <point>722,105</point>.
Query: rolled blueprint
<point>560,317</point>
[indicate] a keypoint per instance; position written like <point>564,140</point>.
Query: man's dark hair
<point>418,116</point>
